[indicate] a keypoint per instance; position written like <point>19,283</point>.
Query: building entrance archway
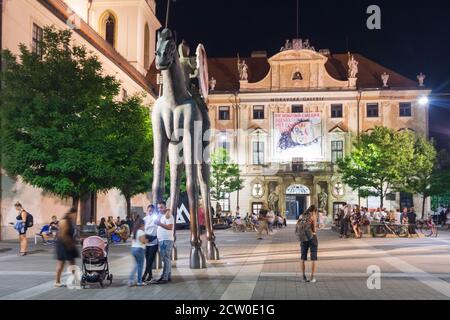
<point>298,198</point>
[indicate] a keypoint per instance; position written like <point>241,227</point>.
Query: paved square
<point>416,268</point>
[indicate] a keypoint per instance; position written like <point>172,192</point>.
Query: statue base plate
<point>211,251</point>
<point>197,258</point>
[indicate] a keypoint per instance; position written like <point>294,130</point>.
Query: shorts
<point>311,245</point>
<point>23,231</point>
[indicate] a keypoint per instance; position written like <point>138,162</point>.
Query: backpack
<point>303,228</point>
<point>29,220</point>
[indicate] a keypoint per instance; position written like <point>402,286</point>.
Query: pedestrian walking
<point>344,221</point>
<point>412,217</point>
<point>306,233</point>
<point>356,223</point>
<point>66,244</point>
<point>262,222</point>
<point>151,247</point>
<point>138,252</point>
<point>165,233</point>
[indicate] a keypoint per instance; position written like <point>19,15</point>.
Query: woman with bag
<point>21,226</point>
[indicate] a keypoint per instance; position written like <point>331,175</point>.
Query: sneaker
<point>59,285</point>
<point>130,284</point>
<point>305,279</point>
<point>160,281</point>
<point>313,280</point>
<point>259,239</point>
<point>143,284</point>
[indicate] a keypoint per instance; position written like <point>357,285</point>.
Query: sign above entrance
<point>297,189</point>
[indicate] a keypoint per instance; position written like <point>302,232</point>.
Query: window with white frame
<point>225,203</point>
<point>337,150</point>
<point>258,152</point>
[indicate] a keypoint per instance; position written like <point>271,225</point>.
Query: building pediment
<point>304,55</point>
<point>338,129</point>
<point>295,70</point>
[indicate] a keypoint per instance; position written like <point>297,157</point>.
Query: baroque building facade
<point>288,118</point>
<point>122,33</point>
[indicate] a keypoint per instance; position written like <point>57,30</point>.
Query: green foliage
<point>167,182</point>
<point>62,129</point>
<point>380,161</point>
<point>225,175</point>
<point>50,109</point>
<point>128,146</point>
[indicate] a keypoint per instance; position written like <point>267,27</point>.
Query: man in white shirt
<point>151,247</point>
<point>166,225</point>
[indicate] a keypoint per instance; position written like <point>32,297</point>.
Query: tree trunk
<point>424,198</point>
<point>381,201</point>
<point>75,202</point>
<point>128,200</point>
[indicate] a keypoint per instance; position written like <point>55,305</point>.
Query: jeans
<point>150,254</point>
<point>165,251</point>
<point>139,256</point>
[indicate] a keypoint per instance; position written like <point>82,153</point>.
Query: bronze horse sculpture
<point>181,132</point>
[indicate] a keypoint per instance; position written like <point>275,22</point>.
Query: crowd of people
<point>154,233</point>
<point>354,219</point>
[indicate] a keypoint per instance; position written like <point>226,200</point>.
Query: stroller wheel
<point>102,284</point>
<point>110,278</point>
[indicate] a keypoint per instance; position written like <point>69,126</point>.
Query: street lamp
<point>423,101</point>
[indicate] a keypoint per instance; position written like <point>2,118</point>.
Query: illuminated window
<point>38,36</point>
<point>258,112</point>
<point>256,207</point>
<point>337,150</point>
<point>336,111</point>
<point>223,142</point>
<point>405,109</point>
<point>258,152</point>
<point>225,203</point>
<point>372,110</point>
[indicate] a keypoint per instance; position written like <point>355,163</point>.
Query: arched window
<point>108,27</point>
<point>146,47</point>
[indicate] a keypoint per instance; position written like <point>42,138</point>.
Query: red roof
<point>225,71</point>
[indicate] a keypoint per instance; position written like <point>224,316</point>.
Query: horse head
<point>166,50</point>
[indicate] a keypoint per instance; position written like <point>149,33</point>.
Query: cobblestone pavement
<point>414,268</point>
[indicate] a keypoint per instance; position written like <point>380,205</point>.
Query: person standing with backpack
<point>306,233</point>
<point>23,221</point>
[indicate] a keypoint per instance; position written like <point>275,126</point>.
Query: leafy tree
<point>419,175</point>
<point>51,107</point>
<point>225,175</point>
<point>378,162</point>
<point>129,147</point>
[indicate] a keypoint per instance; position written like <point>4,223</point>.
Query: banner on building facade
<point>297,135</point>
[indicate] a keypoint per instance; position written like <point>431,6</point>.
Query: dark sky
<point>415,35</point>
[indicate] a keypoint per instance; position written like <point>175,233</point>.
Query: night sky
<point>414,35</point>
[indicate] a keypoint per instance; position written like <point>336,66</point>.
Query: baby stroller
<point>95,265</point>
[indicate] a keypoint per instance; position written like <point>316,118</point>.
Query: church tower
<point>128,25</point>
